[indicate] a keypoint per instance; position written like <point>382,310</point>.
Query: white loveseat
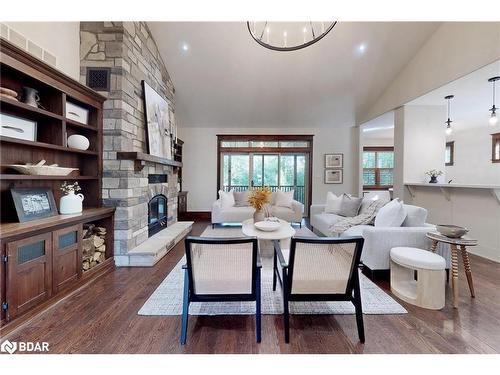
<point>380,240</point>
<point>236,214</point>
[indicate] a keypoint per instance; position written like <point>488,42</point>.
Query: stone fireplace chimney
<point>123,54</point>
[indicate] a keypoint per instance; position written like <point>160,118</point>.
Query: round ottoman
<point>418,277</point>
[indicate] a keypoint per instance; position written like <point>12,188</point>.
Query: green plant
<point>434,173</point>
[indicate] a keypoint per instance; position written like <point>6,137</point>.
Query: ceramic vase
<point>433,180</point>
<point>71,203</point>
<point>258,215</point>
<point>78,141</point>
<point>30,96</point>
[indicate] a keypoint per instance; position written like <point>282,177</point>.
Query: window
<point>263,144</point>
<point>378,167</point>
<point>449,153</point>
<point>277,161</point>
<point>495,148</point>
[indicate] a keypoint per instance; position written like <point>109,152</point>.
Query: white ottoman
<point>428,289</point>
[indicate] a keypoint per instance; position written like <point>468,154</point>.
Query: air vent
<point>98,78</point>
<point>157,178</point>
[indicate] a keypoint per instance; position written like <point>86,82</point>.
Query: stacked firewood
<point>94,247</point>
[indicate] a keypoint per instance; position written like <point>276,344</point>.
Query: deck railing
<point>298,195</point>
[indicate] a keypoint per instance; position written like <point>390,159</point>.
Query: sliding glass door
<point>284,171</point>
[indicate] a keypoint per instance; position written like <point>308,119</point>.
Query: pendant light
<point>448,122</point>
<point>493,109</point>
<point>288,36</point>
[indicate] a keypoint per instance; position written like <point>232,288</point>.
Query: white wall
<point>475,209</point>
<point>454,50</point>
<point>378,142</point>
<point>200,160</point>
<point>424,141</point>
<point>61,39</point>
<point>472,160</point>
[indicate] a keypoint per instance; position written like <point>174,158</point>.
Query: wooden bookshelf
<point>52,272</point>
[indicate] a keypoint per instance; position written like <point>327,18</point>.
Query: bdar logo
<point>8,347</point>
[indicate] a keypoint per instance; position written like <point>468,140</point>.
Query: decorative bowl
<point>42,170</point>
<point>78,141</point>
<point>453,231</point>
<point>267,226</point>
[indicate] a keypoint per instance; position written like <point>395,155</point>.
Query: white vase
<point>78,141</point>
<point>71,203</point>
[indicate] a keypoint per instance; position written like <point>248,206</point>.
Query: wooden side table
<point>455,243</point>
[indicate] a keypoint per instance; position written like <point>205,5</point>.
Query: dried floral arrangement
<point>68,188</point>
<point>259,198</point>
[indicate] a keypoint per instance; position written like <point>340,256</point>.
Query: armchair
<point>320,269</point>
<point>221,270</point>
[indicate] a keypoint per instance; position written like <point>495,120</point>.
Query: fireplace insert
<point>157,214</point>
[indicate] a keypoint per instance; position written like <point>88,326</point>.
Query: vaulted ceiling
<point>223,78</point>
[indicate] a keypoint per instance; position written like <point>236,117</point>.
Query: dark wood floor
<point>102,318</point>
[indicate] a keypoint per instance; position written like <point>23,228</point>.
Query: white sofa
<point>380,240</point>
<point>235,214</point>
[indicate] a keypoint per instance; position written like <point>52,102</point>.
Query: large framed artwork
<point>33,203</point>
<point>334,176</point>
<point>334,160</point>
<point>157,123</point>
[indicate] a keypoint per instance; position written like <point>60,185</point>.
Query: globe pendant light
<point>493,109</point>
<point>288,36</point>
<point>448,122</point>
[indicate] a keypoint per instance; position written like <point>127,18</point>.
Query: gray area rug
<point>167,298</point>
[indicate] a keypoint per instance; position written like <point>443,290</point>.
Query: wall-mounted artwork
<point>334,176</point>
<point>334,160</point>
<point>157,123</point>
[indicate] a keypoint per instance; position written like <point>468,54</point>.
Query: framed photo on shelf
<point>334,176</point>
<point>33,203</point>
<point>334,160</point>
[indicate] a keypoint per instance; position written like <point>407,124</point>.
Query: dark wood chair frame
<point>352,293</point>
<point>189,287</point>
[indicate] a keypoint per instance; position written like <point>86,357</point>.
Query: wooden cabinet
<point>29,273</point>
<point>66,256</point>
<point>41,260</point>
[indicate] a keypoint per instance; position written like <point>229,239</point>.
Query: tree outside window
<point>378,167</point>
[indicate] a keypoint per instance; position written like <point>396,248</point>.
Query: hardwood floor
<point>102,318</point>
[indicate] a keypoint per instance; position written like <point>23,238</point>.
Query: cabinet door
<point>66,256</point>
<point>29,273</point>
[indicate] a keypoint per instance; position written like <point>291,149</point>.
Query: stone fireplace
<point>129,53</point>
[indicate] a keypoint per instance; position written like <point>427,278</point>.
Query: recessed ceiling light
<point>362,48</point>
<point>185,46</point>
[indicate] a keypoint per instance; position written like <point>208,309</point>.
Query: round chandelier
<point>288,36</point>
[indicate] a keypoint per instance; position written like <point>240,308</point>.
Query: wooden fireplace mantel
<point>140,159</point>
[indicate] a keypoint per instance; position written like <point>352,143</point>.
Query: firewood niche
<point>93,245</point>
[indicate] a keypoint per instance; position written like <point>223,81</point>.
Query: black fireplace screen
<point>157,214</point>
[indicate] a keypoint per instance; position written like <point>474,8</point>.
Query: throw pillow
<point>391,215</point>
<point>349,206</point>
<point>226,198</point>
<point>284,198</point>
<point>241,198</point>
<point>415,216</point>
<point>332,203</point>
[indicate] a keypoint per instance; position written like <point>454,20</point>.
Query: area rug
<point>167,298</point>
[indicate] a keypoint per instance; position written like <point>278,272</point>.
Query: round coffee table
<point>454,243</point>
<point>285,231</point>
